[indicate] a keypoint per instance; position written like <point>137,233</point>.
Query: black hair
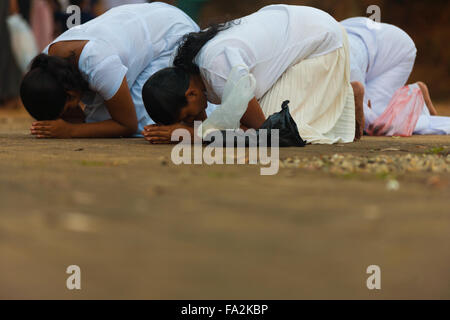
<point>44,88</point>
<point>191,45</point>
<point>164,94</point>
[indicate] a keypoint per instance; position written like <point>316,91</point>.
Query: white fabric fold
<point>238,91</point>
<point>321,97</point>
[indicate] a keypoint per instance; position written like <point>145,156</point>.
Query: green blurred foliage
<point>192,7</point>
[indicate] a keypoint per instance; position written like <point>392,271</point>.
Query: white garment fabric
<point>321,97</point>
<point>382,59</point>
<point>432,125</point>
<point>359,59</point>
<point>389,53</point>
<point>238,92</point>
<point>133,41</point>
<point>22,41</point>
<point>267,43</point>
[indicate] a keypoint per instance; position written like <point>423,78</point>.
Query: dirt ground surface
<point>141,227</point>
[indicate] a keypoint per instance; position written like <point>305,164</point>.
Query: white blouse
<point>266,44</point>
<point>126,40</point>
<point>359,58</point>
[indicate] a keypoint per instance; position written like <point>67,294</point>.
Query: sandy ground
<point>141,227</point>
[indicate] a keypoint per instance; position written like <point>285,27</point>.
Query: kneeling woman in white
<point>382,58</point>
<point>103,63</point>
<point>295,53</point>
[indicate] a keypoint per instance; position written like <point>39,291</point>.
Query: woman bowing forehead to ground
<point>382,59</point>
<point>295,53</point>
<point>104,64</point>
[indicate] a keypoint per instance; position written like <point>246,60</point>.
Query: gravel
<point>343,164</point>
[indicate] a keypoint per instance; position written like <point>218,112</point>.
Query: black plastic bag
<point>282,121</point>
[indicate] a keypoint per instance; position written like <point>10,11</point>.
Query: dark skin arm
<point>254,117</point>
<point>13,7</point>
<point>156,134</point>
<point>123,123</point>
<point>426,95</point>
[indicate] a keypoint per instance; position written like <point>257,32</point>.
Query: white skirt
<point>321,97</point>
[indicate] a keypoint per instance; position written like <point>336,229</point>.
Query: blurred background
<point>116,208</point>
<point>427,22</point>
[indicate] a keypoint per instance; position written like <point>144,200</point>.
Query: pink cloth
<point>401,116</point>
<point>42,24</point>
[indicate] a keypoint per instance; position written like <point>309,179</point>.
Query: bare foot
<point>358,91</point>
<point>426,95</point>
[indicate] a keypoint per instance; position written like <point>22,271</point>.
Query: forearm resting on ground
<point>104,129</point>
<point>61,129</point>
